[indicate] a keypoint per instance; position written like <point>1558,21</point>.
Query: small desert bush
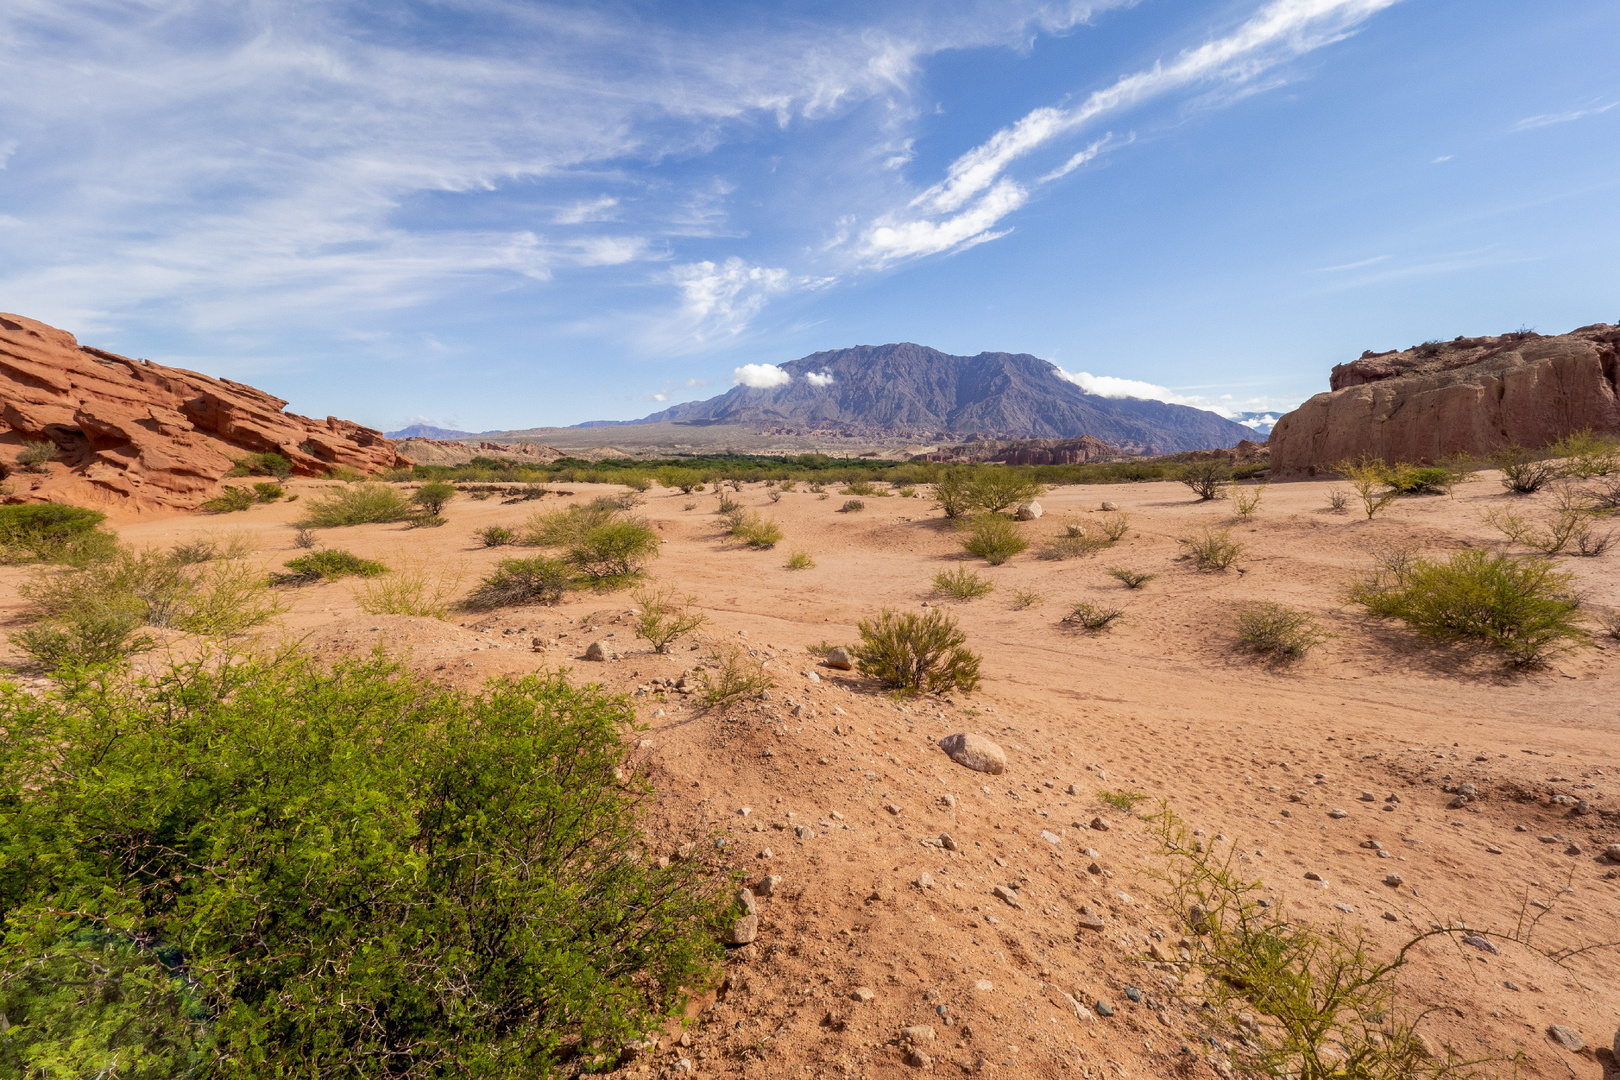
<point>33,455</point>
<point>800,560</point>
<point>852,506</point>
<point>638,482</point>
<point>191,552</point>
<point>495,535</point>
<point>992,490</point>
<point>1213,549</point>
<point>687,480</point>
<point>536,580</point>
<point>1131,579</point>
<point>1524,471</point>
<point>1421,479</point>
<point>1524,607</point>
<point>1091,617</point>
<point>951,489</point>
<point>962,583</point>
<point>351,475</point>
<point>1245,500</point>
<point>664,616</point>
<point>1586,455</point>
<point>1609,622</point>
<point>356,504</point>
<point>268,491</point>
<point>1568,527</point>
<point>337,844</point>
<point>727,505</point>
<point>93,633</point>
<point>613,553</point>
<point>559,528</point>
<point>1123,799</point>
<point>785,485</point>
<point>53,533</point>
<point>271,464</point>
<point>1276,631</point>
<point>410,588</point>
<point>305,539</point>
<point>328,565</point>
<point>1295,1000</point>
<point>907,492</point>
<point>1338,500</point>
<point>1023,599</point>
<point>433,496</point>
<point>1208,479</point>
<point>817,489</point>
<point>1114,525</point>
<point>230,500</point>
<point>1074,542</point>
<point>1372,480</point>
<point>994,538</point>
<point>916,653</point>
<point>757,532</point>
<point>864,488</point>
<point>734,676</point>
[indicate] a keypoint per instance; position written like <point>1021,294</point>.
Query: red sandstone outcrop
<point>1468,396</point>
<point>1027,452</point>
<point>137,435</point>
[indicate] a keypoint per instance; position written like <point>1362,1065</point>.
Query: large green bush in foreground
<point>277,870</point>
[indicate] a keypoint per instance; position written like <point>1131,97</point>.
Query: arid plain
<point>846,788</point>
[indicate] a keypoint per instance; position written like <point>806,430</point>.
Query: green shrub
<point>800,560</point>
<point>1521,606</point>
<point>1114,525</point>
<point>271,464</point>
<point>433,496</point>
<point>33,456</point>
<point>1276,631</point>
<point>536,580</point>
<point>1073,543</point>
<point>638,482</point>
<point>994,538</point>
<point>230,500</point>
<point>1091,617</point>
<point>328,565</point>
<point>1524,471</point>
<point>53,533</point>
<point>1422,479</point>
<point>1131,579</point>
<point>1245,500</point>
<point>410,588</point>
<point>1122,799</point>
<point>1209,479</point>
<point>863,488</point>
<point>951,489</point>
<point>916,653</point>
<point>495,535</point>
<point>351,475</point>
<point>852,506</point>
<point>1027,598</point>
<point>354,873</point>
<point>1587,455</point>
<point>992,490</point>
<point>1213,549</point>
<point>664,616</point>
<point>268,492</point>
<point>559,528</point>
<point>1372,480</point>
<point>688,480</point>
<point>305,539</point>
<point>613,553</point>
<point>90,634</point>
<point>734,676</point>
<point>962,583</point>
<point>356,504</point>
<point>757,532</point>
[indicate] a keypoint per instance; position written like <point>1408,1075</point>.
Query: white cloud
<point>1442,159</point>
<point>719,300</point>
<point>662,395</point>
<point>974,195</point>
<point>1548,119</point>
<point>760,376</point>
<point>1111,386</point>
<point>819,379</point>
<point>1266,421</point>
<point>599,209</point>
<point>1348,266</point>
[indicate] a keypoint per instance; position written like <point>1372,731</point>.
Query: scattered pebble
<point>1567,1037</point>
<point>862,994</point>
<point>1392,880</point>
<point>1104,1009</point>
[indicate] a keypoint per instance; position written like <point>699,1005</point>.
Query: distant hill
<point>914,390</point>
<point>428,431</point>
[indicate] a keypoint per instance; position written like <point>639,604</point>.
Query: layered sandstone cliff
<point>138,435</point>
<point>1468,396</point>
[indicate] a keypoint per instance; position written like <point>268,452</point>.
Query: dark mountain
<point>914,390</point>
<point>428,431</point>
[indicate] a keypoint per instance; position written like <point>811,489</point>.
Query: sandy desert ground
<point>1159,704</point>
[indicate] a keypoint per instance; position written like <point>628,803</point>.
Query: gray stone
<point>949,842</point>
<point>1392,880</point>
<point>1110,506</point>
<point>596,651</point>
<point>1099,824</point>
<point>1006,895</point>
<point>745,898</point>
<point>1567,1037</point>
<point>917,1059</point>
<point>768,885</point>
<point>975,752</point>
<point>1468,791</point>
<point>863,994</point>
<point>839,658</point>
<point>1457,803</point>
<point>804,832</point>
<point>1337,813</point>
<point>1612,852</point>
<point>1028,511</point>
<point>743,931</point>
<point>917,1033</point>
<point>1367,796</point>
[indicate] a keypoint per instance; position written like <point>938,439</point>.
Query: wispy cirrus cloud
<point>1549,119</point>
<point>975,194</point>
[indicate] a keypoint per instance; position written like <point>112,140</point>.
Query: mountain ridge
<point>908,388</point>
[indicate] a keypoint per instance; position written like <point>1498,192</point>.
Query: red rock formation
<point>1468,396</point>
<point>138,435</point>
<point>1027,452</point>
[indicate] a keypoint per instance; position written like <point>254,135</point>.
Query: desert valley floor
<point>847,790</point>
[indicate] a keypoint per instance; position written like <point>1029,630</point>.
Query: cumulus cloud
<point>974,195</point>
<point>819,379</point>
<point>760,376</point>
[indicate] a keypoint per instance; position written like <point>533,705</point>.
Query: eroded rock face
<point>1468,396</point>
<point>134,434</point>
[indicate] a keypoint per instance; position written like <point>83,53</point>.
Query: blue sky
<point>494,214</point>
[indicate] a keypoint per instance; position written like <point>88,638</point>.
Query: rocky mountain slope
<point>139,435</point>
<point>1466,396</point>
<point>924,393</point>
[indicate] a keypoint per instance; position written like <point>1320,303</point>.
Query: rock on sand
<point>974,752</point>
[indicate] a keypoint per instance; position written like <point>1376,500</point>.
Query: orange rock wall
<point>135,434</point>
